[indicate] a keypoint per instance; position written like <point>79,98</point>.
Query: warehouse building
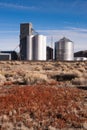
<point>8,55</point>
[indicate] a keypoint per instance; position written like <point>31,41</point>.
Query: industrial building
<point>5,56</point>
<point>81,54</point>
<point>32,45</point>
<point>8,55</point>
<point>80,58</point>
<point>64,50</point>
<point>49,53</point>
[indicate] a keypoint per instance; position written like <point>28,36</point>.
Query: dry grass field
<point>43,95</point>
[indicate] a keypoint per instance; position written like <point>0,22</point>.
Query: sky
<point>53,18</point>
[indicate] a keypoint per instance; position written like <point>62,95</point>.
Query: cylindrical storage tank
<point>64,50</point>
<point>44,48</point>
<point>29,48</point>
<point>39,47</point>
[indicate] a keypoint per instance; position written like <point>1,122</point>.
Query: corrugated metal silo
<point>39,47</point>
<point>64,50</point>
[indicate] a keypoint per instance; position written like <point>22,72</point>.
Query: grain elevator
<point>26,41</point>
<point>32,45</point>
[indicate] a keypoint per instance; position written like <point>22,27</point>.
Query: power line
<point>16,47</point>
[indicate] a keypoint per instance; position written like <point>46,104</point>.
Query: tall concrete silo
<point>64,50</point>
<point>26,41</point>
<point>39,47</point>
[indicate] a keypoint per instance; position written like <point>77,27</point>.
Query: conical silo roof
<point>64,39</point>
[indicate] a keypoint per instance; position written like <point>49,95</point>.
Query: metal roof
<point>64,39</point>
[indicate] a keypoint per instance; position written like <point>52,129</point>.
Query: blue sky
<point>53,18</point>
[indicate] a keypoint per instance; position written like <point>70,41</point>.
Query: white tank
<point>44,48</point>
<point>29,47</point>
<point>64,50</point>
<point>39,47</point>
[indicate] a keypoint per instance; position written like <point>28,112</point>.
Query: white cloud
<point>10,5</point>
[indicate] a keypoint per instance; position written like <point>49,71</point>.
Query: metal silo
<point>39,47</point>
<point>64,50</point>
<point>44,48</point>
<point>29,48</point>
